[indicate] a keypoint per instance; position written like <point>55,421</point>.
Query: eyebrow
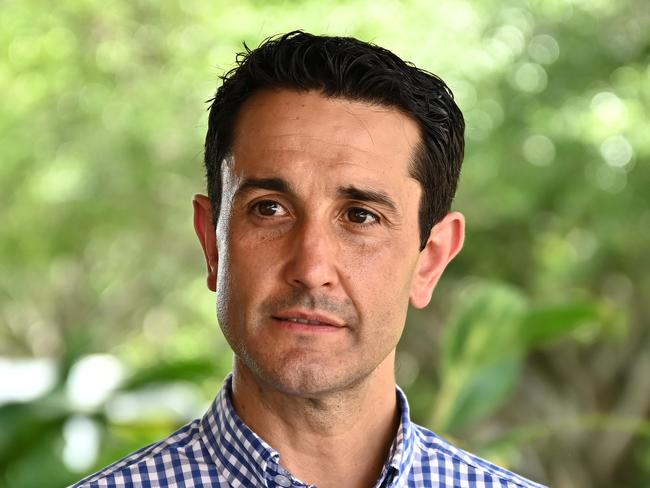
<point>272,184</point>
<point>349,192</point>
<point>367,195</point>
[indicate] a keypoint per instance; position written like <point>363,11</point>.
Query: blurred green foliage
<point>535,351</point>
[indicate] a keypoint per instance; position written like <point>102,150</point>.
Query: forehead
<point>285,130</point>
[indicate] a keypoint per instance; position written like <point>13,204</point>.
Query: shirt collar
<point>400,456</point>
<point>240,453</point>
<point>243,455</point>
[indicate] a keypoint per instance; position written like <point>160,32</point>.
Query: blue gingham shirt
<point>219,450</point>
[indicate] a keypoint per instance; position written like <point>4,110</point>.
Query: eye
<point>361,216</point>
<point>269,208</point>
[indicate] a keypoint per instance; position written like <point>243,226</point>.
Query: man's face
<point>317,239</point>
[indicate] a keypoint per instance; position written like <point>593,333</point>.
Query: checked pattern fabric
<point>219,451</point>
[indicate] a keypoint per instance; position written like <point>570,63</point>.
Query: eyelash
<point>376,219</point>
<point>255,207</point>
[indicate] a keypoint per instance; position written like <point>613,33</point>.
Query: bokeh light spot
<point>22,380</point>
<point>608,108</point>
<point>92,379</point>
<point>530,78</point>
<point>616,151</point>
<point>81,436</point>
<point>544,49</point>
<point>539,150</point>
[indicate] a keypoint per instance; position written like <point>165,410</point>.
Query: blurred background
<point>535,351</point>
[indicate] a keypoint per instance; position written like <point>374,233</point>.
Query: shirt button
<point>282,480</point>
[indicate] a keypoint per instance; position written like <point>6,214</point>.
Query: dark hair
<point>345,67</point>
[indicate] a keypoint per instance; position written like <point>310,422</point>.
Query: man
<point>331,168</point>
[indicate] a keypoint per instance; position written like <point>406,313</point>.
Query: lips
<point>308,318</point>
<point>305,321</point>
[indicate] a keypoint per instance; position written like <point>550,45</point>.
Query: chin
<point>294,375</point>
<point>310,379</point>
<point>297,378</point>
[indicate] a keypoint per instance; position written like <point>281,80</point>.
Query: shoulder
<point>179,457</point>
<point>437,458</point>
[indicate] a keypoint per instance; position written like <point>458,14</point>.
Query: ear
<point>204,227</point>
<point>445,241</point>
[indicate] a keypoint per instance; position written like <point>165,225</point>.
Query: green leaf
<point>484,389</point>
<point>543,325</point>
<point>481,356</point>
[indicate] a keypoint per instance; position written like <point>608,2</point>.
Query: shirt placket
<point>278,477</point>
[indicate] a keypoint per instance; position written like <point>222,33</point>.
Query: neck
<point>339,438</point>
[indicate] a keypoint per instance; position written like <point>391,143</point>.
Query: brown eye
<point>361,216</point>
<point>269,208</point>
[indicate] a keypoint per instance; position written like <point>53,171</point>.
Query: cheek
<point>387,261</point>
<point>379,278</point>
<point>241,286</point>
<point>252,267</point>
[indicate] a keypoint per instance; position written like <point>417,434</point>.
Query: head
<point>344,67</point>
<point>331,168</point>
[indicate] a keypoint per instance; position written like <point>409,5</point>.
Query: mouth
<point>308,320</point>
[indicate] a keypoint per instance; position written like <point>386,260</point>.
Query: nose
<point>311,262</point>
